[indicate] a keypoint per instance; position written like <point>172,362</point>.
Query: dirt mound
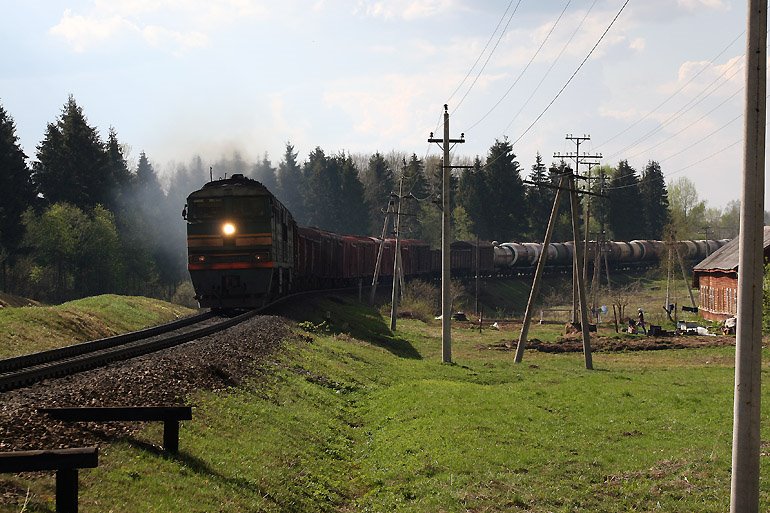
<point>575,344</point>
<point>9,300</point>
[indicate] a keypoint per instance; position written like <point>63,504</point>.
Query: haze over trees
<point>82,217</point>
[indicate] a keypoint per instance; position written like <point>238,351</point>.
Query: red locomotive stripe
<point>223,266</point>
<point>196,242</point>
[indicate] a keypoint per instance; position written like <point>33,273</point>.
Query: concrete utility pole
<point>744,486</point>
<point>446,299</point>
<point>578,160</point>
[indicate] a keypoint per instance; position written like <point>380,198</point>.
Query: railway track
<point>25,370</point>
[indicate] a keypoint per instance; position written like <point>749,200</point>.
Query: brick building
<point>716,278</point>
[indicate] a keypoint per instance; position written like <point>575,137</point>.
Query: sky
<point>178,78</point>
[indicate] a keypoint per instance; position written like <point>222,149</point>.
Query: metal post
<point>744,487</point>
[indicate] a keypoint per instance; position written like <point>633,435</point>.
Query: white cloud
<point>407,9</point>
<point>176,25</point>
<point>82,32</point>
<point>637,44</point>
<point>696,4</point>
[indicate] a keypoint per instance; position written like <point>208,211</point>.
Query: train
<point>244,249</point>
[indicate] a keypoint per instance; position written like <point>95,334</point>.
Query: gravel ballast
<point>165,378</point>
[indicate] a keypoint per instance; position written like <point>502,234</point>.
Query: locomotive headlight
<point>228,228</point>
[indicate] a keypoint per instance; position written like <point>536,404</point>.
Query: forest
<point>83,216</point>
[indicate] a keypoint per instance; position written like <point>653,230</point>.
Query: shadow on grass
<point>338,314</point>
<point>203,468</point>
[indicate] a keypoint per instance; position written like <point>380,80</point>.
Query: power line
<point>502,33</point>
<point>548,71</point>
<point>661,104</point>
<point>573,74</point>
<point>684,109</point>
<point>521,74</point>
<point>483,51</point>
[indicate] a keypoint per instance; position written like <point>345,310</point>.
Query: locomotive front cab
<point>236,243</point>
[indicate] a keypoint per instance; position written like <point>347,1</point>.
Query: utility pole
<point>397,270</point>
<point>388,213</point>
<point>578,160</point>
<point>744,486</point>
<point>446,299</point>
<point>566,185</point>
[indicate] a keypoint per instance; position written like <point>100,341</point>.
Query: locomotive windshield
<point>206,209</point>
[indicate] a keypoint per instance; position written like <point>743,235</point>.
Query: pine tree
<point>416,186</point>
<point>17,192</point>
<point>625,213</point>
<point>654,199</point>
<point>72,165</point>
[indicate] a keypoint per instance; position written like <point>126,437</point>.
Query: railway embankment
<point>322,408</point>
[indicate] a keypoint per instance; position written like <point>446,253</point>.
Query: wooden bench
<point>65,462</point>
<point>170,415</point>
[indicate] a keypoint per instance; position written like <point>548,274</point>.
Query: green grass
<point>29,329</point>
<point>340,423</point>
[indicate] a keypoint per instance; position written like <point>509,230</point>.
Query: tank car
<point>240,244</point>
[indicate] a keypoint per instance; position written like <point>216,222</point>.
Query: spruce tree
<point>654,198</point>
<point>119,175</point>
<point>17,192</point>
<point>506,220</point>
<point>379,183</point>
<point>72,164</point>
<point>472,196</point>
<point>291,184</point>
<point>539,200</point>
<point>625,210</point>
<point>264,172</point>
<point>352,205</point>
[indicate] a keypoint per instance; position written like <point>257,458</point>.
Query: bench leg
<point>67,491</point>
<point>171,436</point>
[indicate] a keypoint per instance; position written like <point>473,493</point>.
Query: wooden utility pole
<point>744,486</point>
<point>397,270</point>
<point>388,213</point>
<point>539,272</point>
<point>578,160</point>
<point>446,297</point>
<point>566,183</point>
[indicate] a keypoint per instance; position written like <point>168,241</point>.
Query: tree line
<point>78,219</point>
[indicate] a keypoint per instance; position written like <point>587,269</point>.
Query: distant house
<point>716,278</point>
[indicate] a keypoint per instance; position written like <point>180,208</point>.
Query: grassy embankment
<point>36,328</point>
<point>357,419</point>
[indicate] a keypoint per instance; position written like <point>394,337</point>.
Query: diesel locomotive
<point>244,249</point>
<point>241,244</point>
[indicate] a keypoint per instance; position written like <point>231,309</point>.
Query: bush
<point>185,295</point>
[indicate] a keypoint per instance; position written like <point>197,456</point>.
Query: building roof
<point>726,258</point>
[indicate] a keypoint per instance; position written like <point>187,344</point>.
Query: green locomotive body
<point>240,244</point>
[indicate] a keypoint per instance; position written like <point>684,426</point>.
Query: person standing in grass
<point>641,321</point>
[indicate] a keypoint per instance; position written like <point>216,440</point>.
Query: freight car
<point>245,249</point>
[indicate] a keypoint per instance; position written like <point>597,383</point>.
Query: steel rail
<point>97,355</point>
<point>28,360</point>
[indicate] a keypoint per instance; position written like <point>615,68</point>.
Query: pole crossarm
<point>551,186</point>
